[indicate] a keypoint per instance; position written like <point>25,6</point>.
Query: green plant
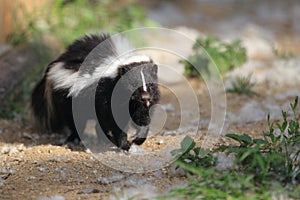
<point>243,85</point>
<point>276,156</point>
<point>262,165</point>
<point>192,155</point>
<point>208,51</point>
<point>68,20</point>
<point>206,181</point>
<point>71,20</point>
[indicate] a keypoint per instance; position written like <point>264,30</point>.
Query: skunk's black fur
<point>52,97</point>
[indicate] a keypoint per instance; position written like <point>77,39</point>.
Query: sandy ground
<point>33,167</point>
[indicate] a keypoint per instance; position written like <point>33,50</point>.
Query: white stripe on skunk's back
<point>109,68</point>
<point>76,81</point>
<point>62,78</point>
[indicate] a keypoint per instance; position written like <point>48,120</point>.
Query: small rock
<point>251,112</point>
<point>42,168</point>
<point>10,149</point>
<point>134,180</point>
<point>287,94</point>
<point>31,177</point>
<point>161,141</point>
<point>168,107</point>
<point>35,162</point>
<point>54,197</point>
<point>111,179</point>
<point>224,161</point>
<point>59,158</point>
<point>89,191</point>
<point>137,150</point>
<point>88,151</point>
<point>272,107</point>
<point>1,183</point>
<point>145,191</point>
<point>176,171</point>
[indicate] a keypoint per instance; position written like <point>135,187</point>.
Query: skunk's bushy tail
<point>43,113</point>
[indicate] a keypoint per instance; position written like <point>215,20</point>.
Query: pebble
<point>145,191</point>
<point>53,197</point>
<point>1,183</point>
<point>11,149</point>
<point>60,158</point>
<point>42,168</point>
<point>272,107</point>
<point>111,179</point>
<point>176,171</point>
<point>161,141</point>
<point>251,112</point>
<point>168,107</point>
<point>32,178</point>
<point>137,150</point>
<point>224,161</point>
<point>286,94</point>
<point>89,191</point>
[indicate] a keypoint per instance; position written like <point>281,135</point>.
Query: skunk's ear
<point>122,70</point>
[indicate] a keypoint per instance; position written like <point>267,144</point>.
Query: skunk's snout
<point>146,98</point>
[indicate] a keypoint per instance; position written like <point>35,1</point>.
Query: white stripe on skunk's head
<point>140,79</point>
<point>144,81</point>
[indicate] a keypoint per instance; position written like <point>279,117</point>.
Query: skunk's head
<point>141,82</point>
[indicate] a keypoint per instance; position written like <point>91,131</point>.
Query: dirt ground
<point>33,167</point>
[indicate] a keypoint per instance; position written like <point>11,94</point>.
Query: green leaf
<point>234,137</point>
<point>243,139</point>
<point>294,105</point>
<point>187,144</point>
<point>246,139</point>
<point>260,141</point>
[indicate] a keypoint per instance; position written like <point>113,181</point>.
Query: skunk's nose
<point>146,98</point>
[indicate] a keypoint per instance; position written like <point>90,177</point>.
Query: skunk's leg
<point>79,128</point>
<point>141,135</point>
<point>74,136</point>
<point>121,138</point>
<point>115,135</point>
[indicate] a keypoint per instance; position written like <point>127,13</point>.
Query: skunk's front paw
<point>125,146</point>
<point>141,135</point>
<point>139,141</point>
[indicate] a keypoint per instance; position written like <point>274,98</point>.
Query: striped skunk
<point>67,78</point>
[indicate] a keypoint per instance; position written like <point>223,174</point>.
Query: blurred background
<point>244,38</point>
<point>274,20</point>
<point>253,44</point>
